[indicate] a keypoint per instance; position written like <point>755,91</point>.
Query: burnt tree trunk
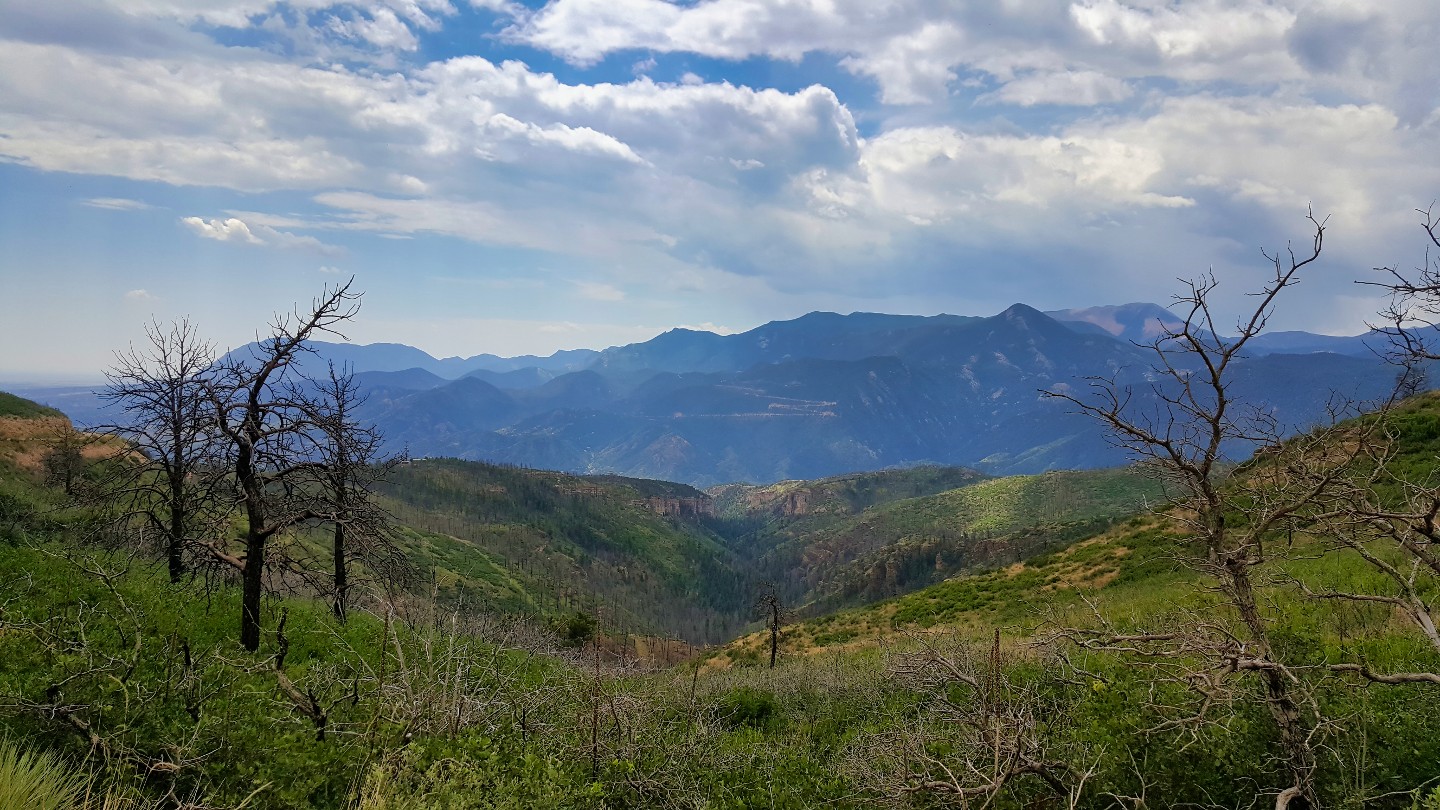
<point>342,580</point>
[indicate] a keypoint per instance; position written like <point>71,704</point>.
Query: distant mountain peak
<point>1018,310</point>
<point>1138,321</point>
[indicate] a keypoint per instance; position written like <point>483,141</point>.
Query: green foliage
<point>526,541</point>
<point>842,494</point>
<point>1136,558</point>
<point>476,771</point>
<point>435,711</point>
<point>1026,500</point>
<point>19,407</point>
<point>120,650</point>
<point>576,629</point>
<point>555,736</point>
<point>25,506</point>
<point>747,706</point>
<point>832,559</point>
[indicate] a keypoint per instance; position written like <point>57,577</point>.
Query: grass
<point>1131,563</point>
<point>38,780</point>
<point>829,561</point>
<point>517,539</point>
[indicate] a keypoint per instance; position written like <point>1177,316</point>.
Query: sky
<point>521,177</point>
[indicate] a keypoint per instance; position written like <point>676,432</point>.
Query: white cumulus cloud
<point>1142,121</point>
<point>237,230</point>
<point>222,230</point>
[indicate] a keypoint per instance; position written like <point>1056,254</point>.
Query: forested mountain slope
<point>822,560</point>
<point>511,539</point>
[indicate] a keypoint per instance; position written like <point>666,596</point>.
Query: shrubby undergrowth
<point>140,681</point>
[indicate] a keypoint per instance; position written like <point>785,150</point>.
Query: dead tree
<point>1389,521</point>
<point>65,463</point>
<point>1185,425</point>
<point>772,609</point>
<point>273,430</point>
<point>1414,308</point>
<point>353,462</point>
<point>168,474</point>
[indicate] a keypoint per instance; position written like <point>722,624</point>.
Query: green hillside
<point>1132,564</point>
<point>524,540</point>
<point>13,406</point>
<point>838,495</point>
<point>665,558</point>
<point>832,558</point>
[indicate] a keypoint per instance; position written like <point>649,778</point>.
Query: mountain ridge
<point>815,396</point>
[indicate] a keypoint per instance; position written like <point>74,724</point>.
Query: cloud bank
<point>924,152</point>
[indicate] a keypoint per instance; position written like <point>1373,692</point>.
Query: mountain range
<point>827,393</point>
<point>815,396</point>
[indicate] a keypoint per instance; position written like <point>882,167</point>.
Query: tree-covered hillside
<point>856,539</point>
<point>511,539</point>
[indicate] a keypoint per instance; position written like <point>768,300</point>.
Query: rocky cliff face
<point>785,500</point>
<point>671,506</point>
<point>795,504</point>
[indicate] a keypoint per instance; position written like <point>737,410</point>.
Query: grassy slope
<point>832,687</point>
<point>522,540</point>
<point>526,540</point>
<point>1132,563</point>
<point>27,432</point>
<point>1133,570</point>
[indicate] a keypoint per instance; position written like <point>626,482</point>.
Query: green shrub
<point>748,707</point>
<point>473,772</point>
<point>574,630</point>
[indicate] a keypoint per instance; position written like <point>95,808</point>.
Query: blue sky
<point>519,178</point>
